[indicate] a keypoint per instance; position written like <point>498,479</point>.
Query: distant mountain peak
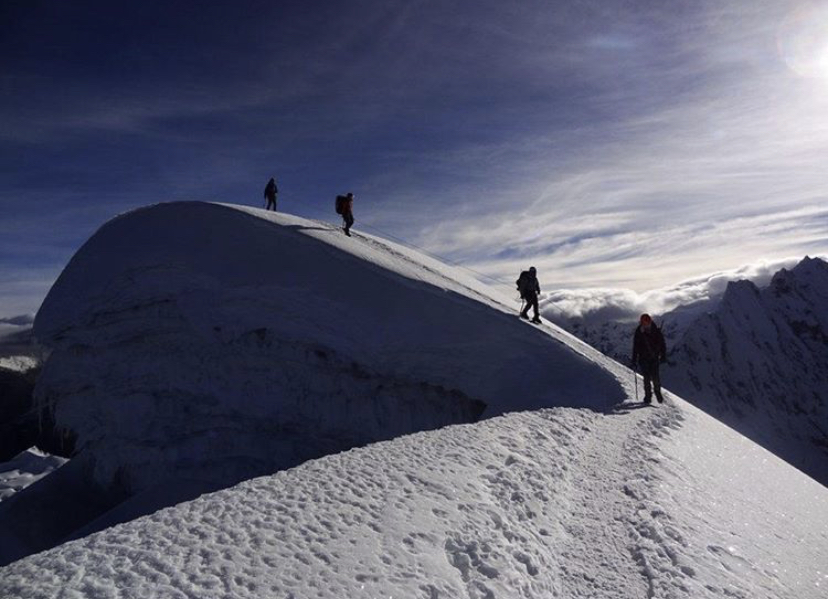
<point>739,293</point>
<point>20,320</point>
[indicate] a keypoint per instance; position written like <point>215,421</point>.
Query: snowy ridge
<point>197,345</point>
<point>562,502</point>
<point>760,364</point>
<point>600,498</point>
<point>756,361</point>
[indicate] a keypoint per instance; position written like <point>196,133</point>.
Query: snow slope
<point>24,469</point>
<point>197,345</point>
<point>576,503</point>
<point>759,363</point>
<point>757,360</point>
<point>591,496</point>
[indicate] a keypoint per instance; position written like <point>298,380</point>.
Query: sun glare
<point>803,40</point>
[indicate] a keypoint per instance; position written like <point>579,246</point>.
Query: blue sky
<point>612,144</point>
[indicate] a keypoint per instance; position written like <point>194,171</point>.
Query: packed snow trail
<point>553,503</point>
<point>498,509</point>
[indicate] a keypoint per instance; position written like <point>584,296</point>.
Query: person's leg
<point>647,373</point>
<point>657,383</point>
<point>535,308</point>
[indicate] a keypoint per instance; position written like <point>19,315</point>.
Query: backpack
<point>341,202</point>
<point>523,282</point>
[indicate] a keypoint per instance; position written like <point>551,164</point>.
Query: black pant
<point>531,302</point>
<point>348,217</point>
<point>271,201</point>
<point>652,379</point>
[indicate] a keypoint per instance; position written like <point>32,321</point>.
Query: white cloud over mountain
<point>598,304</point>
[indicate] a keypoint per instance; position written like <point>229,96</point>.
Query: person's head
<point>350,195</point>
<point>645,321</point>
<point>532,270</point>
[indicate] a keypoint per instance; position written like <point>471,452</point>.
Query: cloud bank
<point>602,304</point>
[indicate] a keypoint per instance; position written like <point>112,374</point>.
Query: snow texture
<point>198,345</point>
<point>633,502</point>
<point>18,363</point>
<point>598,496</point>
<point>25,469</point>
<point>757,361</point>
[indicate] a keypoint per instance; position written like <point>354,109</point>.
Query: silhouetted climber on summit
<point>649,350</point>
<point>529,289</point>
<point>270,193</point>
<point>345,207</point>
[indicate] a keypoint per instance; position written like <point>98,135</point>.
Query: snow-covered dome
<point>218,342</point>
<point>196,340</point>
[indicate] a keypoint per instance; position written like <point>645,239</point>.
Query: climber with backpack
<point>649,350</point>
<point>345,207</point>
<point>270,194</point>
<point>529,288</point>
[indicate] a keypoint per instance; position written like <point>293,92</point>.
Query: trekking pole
<point>635,377</point>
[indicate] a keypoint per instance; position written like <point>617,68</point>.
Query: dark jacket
<point>271,190</point>
<point>648,345</point>
<point>528,284</point>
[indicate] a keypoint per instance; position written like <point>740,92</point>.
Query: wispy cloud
<point>610,144</point>
<point>731,170</point>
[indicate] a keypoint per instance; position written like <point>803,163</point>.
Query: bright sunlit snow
<point>555,503</point>
<point>18,363</point>
<point>585,493</point>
